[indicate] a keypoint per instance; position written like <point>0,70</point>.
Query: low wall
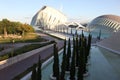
<point>18,58</point>
<point>117,52</point>
<point>28,76</point>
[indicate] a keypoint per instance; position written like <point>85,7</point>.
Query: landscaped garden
<point>12,32</point>
<point>70,65</point>
<point>16,32</point>
<point>22,50</point>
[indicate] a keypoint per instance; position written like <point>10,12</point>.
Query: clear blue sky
<point>24,10</point>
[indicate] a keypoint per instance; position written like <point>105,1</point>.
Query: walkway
<point>112,43</point>
<point>11,71</point>
<point>100,68</point>
<point>67,36</point>
<point>113,59</point>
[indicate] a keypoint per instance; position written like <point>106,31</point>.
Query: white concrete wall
<point>18,58</point>
<point>28,76</point>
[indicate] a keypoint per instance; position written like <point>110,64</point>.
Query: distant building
<point>106,23</point>
<point>109,26</point>
<point>48,18</point>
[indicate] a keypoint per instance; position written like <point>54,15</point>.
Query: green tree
<point>8,27</point>
<point>81,65</point>
<point>77,50</point>
<point>89,43</point>
<point>39,69</point>
<point>1,27</point>
<point>80,73</point>
<point>88,47</point>
<point>76,32</point>
<point>64,52</point>
<point>84,60</point>
<point>68,56</point>
<point>63,66</point>
<point>5,24</point>
<point>72,68</point>
<point>99,36</point>
<point>79,43</point>
<point>56,63</point>
<point>34,73</point>
<point>82,34</point>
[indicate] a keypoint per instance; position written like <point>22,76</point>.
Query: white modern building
<point>105,23</point>
<point>109,25</point>
<point>48,18</point>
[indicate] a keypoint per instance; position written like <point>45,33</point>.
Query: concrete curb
<point>117,52</point>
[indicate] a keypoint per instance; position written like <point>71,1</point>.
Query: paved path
<point>67,36</point>
<point>113,59</point>
<point>16,46</point>
<point>100,68</point>
<point>11,71</point>
<point>46,36</point>
<point>111,43</point>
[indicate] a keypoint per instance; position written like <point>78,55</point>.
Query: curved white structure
<point>48,18</point>
<point>107,24</point>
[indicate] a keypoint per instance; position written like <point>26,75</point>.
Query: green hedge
<point>23,50</point>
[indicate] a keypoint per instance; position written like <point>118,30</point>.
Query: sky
<point>81,10</point>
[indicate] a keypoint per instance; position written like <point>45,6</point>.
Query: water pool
<point>100,68</point>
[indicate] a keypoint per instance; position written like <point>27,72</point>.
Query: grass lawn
<point>28,37</point>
